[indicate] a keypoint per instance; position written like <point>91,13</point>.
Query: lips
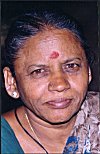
<point>59,103</point>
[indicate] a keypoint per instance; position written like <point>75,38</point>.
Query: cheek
<point>31,90</point>
<point>80,82</point>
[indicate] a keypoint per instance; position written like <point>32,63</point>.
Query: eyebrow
<point>37,65</point>
<point>43,65</point>
<point>71,59</point>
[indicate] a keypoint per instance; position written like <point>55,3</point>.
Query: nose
<point>59,83</point>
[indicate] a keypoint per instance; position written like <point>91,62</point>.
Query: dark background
<point>86,12</point>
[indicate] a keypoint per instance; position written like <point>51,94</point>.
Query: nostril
<point>58,85</point>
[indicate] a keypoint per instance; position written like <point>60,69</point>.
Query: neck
<point>47,132</point>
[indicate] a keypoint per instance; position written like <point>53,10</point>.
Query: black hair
<point>34,21</point>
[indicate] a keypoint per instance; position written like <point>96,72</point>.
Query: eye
<point>38,73</point>
<point>72,67</point>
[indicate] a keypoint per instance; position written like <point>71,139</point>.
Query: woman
<point>48,67</point>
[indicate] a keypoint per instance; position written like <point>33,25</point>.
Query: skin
<point>54,54</point>
<point>53,88</point>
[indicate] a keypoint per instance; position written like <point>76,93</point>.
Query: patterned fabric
<point>85,137</point>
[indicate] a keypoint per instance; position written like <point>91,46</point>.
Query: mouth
<point>59,103</point>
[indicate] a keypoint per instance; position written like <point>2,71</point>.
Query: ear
<point>90,75</point>
<point>10,83</point>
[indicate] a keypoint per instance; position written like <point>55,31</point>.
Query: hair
<point>34,21</point>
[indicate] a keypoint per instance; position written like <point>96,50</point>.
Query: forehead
<point>51,37</point>
<point>47,42</point>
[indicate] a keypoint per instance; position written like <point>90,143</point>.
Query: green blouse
<point>9,142</point>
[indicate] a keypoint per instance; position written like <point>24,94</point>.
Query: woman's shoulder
<point>87,125</point>
<point>9,142</point>
<point>90,108</point>
<point>5,123</point>
<point>93,102</point>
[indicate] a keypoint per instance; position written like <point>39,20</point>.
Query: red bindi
<point>54,54</point>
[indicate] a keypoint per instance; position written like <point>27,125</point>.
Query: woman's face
<point>52,75</point>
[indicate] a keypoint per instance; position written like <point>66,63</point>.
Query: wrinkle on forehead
<point>50,44</point>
